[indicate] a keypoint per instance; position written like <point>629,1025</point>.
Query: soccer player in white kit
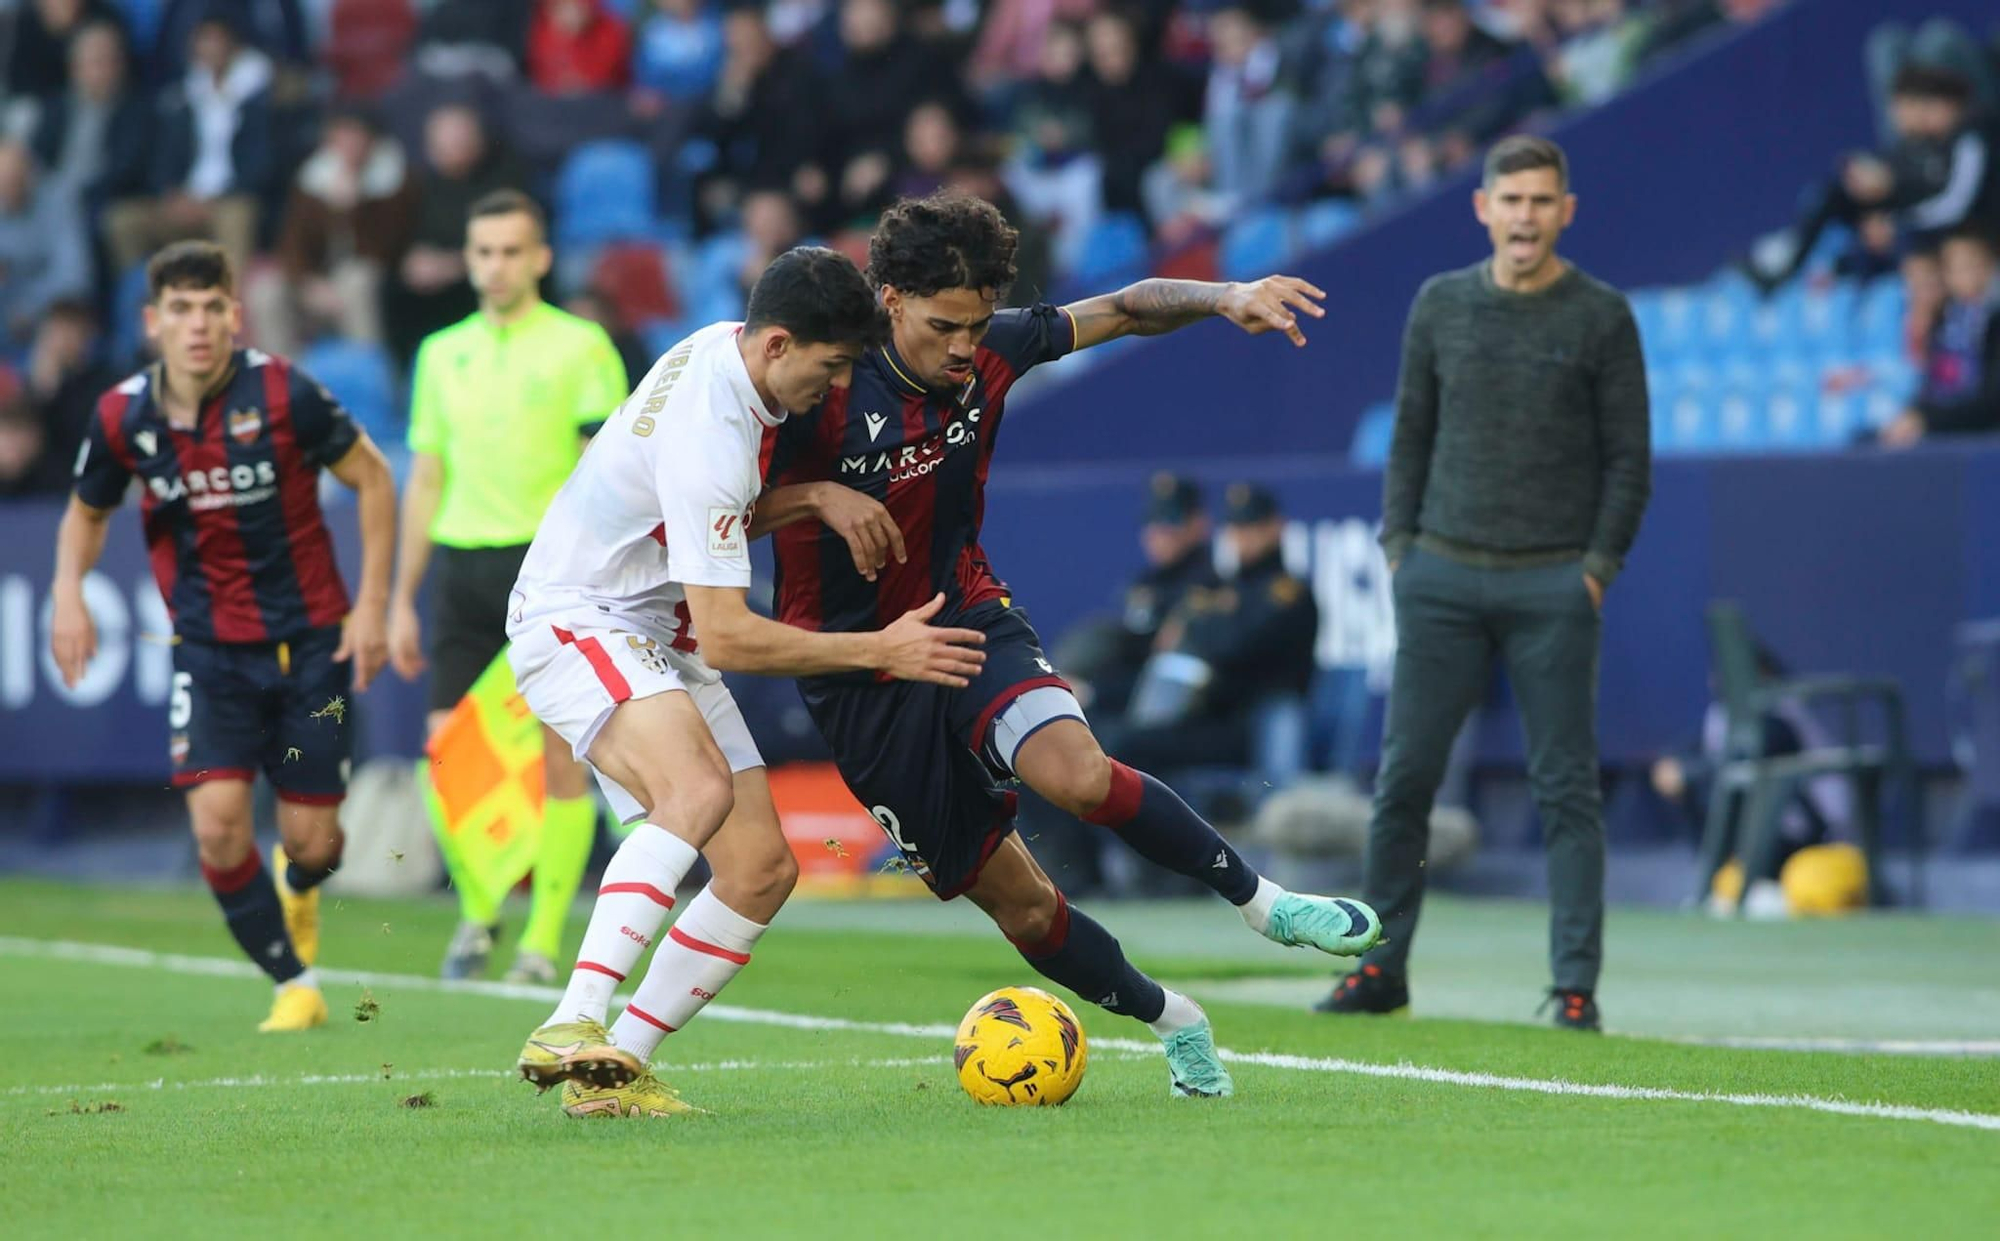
<point>630,603</point>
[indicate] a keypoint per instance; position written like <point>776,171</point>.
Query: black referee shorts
<point>469,616</point>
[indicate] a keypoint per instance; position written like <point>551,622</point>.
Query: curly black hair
<point>923,246</point>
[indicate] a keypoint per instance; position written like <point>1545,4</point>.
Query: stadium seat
<point>605,192</point>
<point>1878,323</point>
<point>661,335</point>
<point>1370,447</point>
<point>1256,245</point>
<point>1689,426</point>
<point>366,44</point>
<point>1836,418</point>
<point>1739,421</point>
<point>632,276</point>
<point>1115,253</point>
<point>1788,418</point>
<point>362,378</point>
<point>142,17</point>
<point>1321,224</point>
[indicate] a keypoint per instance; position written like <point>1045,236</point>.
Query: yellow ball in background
<point>1825,879</point>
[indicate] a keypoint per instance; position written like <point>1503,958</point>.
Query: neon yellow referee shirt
<point>503,410</point>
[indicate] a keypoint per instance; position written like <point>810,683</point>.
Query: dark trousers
<point>1452,619</point>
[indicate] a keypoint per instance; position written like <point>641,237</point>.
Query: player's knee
<point>699,801</point>
<point>1084,782</point>
<point>1030,919</point>
<point>318,850</point>
<point>223,836</point>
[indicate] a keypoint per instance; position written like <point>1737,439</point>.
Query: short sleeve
<point>1032,336</point>
<point>426,410</point>
<point>101,477</point>
<point>706,493</point>
<point>601,381</point>
<point>324,428</point>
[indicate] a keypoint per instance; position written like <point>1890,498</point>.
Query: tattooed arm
<point>1152,307</point>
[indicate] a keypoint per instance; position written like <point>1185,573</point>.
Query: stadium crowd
<point>332,146</point>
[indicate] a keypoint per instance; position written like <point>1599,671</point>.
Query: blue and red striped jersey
<point>924,455</point>
<point>230,507</point>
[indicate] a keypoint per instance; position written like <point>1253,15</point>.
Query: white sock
<point>1257,910</point>
<point>1179,1014</point>
<point>305,979</point>
<point>708,945</point>
<point>632,902</point>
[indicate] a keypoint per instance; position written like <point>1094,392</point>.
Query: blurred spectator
<point>883,76</point>
<point>1012,42</point>
<point>429,290</point>
<point>474,38</point>
<point>1055,173</point>
<point>1181,198</point>
<point>38,64</point>
<point>276,28</point>
<point>603,311</point>
<point>1960,391</point>
<point>1247,113</point>
<point>1131,97</point>
<point>1387,78</point>
<point>96,139</point>
<point>65,377</point>
<point>678,51</point>
<point>1938,174</point>
<point>578,47</point>
<point>771,226</point>
<point>1102,658</point>
<point>44,250</point>
<point>930,148</point>
<point>1224,652</point>
<point>765,119</point>
<point>214,154</point>
<point>27,468</point>
<point>1939,43</point>
<point>348,219</point>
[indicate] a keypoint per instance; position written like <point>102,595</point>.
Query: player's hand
<point>872,535</point>
<point>1595,589</point>
<point>915,650</point>
<point>72,638</point>
<point>406,644</point>
<point>1273,304</point>
<point>364,639</point>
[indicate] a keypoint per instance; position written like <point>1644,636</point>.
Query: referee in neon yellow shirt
<point>501,407</point>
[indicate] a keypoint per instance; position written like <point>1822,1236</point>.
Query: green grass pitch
<point>137,1099</point>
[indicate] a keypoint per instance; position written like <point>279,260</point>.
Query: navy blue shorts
<point>914,753</point>
<point>238,708</point>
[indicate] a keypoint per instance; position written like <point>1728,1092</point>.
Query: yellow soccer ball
<point>1020,1047</point>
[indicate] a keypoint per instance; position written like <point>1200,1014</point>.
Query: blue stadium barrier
<point>362,378</point>
<point>605,191</point>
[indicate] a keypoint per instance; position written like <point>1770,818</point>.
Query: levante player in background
<point>227,445</point>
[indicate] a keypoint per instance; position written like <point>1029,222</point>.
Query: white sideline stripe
<point>108,954</point>
<point>1850,1046</point>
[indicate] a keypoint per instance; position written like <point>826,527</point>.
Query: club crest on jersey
<point>728,532</point>
<point>245,425</point>
<point>177,748</point>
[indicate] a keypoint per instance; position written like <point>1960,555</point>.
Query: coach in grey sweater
<point>1518,472</point>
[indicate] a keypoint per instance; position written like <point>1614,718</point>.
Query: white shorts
<point>574,676</point>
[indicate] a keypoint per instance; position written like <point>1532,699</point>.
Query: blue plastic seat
<point>363,379</point>
<point>605,191</point>
<point>1256,245</point>
<point>1115,252</point>
<point>1321,224</point>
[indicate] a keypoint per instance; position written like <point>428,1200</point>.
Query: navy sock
<point>250,906</point>
<point>1166,831</point>
<point>303,878</point>
<point>1083,956</point>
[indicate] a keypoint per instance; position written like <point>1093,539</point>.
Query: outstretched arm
<point>1153,307</point>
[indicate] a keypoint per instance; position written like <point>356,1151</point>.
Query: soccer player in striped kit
<point>227,445</point>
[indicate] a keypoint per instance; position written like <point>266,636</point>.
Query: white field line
<point>138,958</point>
<point>1848,1046</point>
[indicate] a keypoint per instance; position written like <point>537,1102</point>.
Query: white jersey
<point>660,501</point>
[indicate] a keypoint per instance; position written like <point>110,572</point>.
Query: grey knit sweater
<point>1521,424</point>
